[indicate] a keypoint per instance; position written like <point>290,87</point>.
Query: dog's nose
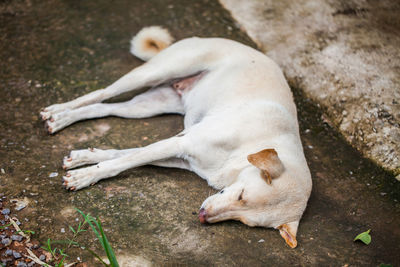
<point>203,215</point>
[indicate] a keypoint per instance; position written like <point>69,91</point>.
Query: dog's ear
<point>268,161</point>
<point>288,231</point>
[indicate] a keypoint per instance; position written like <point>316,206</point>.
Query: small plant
<point>4,226</point>
<point>56,255</point>
<point>76,233</point>
<point>28,232</point>
<point>95,224</point>
<point>59,254</point>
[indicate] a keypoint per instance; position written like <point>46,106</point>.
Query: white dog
<point>241,132</point>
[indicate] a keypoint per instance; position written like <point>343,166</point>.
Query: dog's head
<point>266,193</point>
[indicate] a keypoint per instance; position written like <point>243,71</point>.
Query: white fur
<point>149,33</point>
<point>241,105</point>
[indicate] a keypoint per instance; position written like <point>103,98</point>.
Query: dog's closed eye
<point>222,191</point>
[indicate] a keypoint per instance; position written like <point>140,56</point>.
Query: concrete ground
<point>53,51</point>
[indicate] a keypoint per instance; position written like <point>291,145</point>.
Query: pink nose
<point>203,215</point>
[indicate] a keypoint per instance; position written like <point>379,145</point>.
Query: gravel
<point>5,211</point>
<point>17,237</point>
<point>6,241</point>
<point>16,255</point>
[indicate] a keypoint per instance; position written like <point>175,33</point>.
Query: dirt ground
<point>54,51</point>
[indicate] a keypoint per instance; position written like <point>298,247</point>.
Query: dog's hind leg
<point>153,102</point>
<point>182,59</point>
<point>169,148</point>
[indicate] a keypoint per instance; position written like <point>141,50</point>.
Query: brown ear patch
<point>288,235</point>
<point>268,162</point>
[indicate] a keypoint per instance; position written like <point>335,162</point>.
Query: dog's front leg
<point>165,149</point>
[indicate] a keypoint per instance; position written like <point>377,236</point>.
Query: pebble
<point>9,252</point>
<point>20,206</point>
<point>42,257</point>
<point>6,241</point>
<point>3,171</point>
<point>22,264</point>
<point>16,255</point>
<point>53,174</point>
<point>4,261</point>
<point>16,237</point>
<point>62,230</point>
<point>5,211</point>
<point>261,241</point>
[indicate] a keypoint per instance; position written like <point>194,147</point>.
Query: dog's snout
<point>203,215</point>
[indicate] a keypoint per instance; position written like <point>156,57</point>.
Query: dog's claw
<point>68,174</point>
<point>48,127</point>
<point>69,159</point>
<point>73,188</point>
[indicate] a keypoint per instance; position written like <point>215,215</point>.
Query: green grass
<point>95,224</point>
<point>59,254</point>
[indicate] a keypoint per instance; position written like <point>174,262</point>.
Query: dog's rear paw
<point>78,179</point>
<point>57,122</point>
<point>45,115</point>
<point>55,117</point>
<point>47,112</point>
<point>51,126</point>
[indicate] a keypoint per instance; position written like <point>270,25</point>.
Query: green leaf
<point>109,251</point>
<point>385,265</point>
<point>2,227</point>
<point>364,237</point>
<point>72,229</point>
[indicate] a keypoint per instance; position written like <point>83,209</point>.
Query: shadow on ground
<point>54,51</point>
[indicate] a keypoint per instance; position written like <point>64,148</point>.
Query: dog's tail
<point>149,41</point>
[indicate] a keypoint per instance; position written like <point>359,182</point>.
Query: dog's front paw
<point>78,179</point>
<point>80,157</point>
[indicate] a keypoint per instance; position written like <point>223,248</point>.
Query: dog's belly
<point>183,86</point>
